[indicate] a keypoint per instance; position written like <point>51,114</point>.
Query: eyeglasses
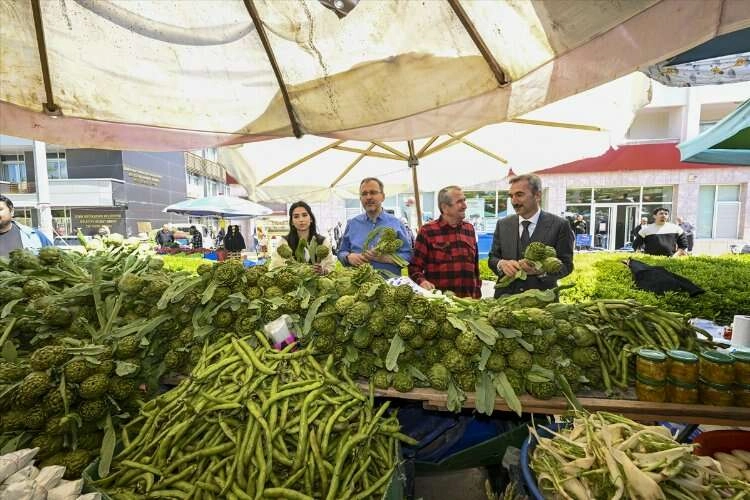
<point>369,193</point>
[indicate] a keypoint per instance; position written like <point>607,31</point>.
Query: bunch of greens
<point>387,244</point>
<point>542,257</point>
<point>305,252</point>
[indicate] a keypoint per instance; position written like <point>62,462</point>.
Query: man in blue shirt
<point>14,236</point>
<point>351,251</point>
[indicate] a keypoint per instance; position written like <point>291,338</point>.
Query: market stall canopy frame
<point>153,75</point>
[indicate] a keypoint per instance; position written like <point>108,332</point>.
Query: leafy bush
<point>184,262</point>
<point>602,275</point>
<point>725,280</point>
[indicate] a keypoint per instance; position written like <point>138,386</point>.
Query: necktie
<point>525,238</point>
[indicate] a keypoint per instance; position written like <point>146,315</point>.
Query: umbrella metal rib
<point>250,6</point>
<point>49,107</point>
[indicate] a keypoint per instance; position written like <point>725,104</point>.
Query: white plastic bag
<point>90,496</point>
<point>66,490</point>
<point>13,462</point>
<point>25,474</point>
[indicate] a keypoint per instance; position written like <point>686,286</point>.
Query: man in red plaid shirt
<point>445,251</point>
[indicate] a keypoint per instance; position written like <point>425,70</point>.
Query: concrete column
<point>42,188</point>
<point>691,115</point>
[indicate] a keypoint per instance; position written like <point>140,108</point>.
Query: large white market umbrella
<point>219,206</point>
<point>158,75</point>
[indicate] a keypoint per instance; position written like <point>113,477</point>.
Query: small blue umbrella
<point>229,207</point>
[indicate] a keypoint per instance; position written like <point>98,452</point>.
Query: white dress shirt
<point>533,219</point>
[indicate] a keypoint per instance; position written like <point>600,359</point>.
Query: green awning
<point>727,142</point>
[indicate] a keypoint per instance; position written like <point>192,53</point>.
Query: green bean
<point>331,421</point>
<point>148,479</point>
<point>141,467</point>
<point>293,478</point>
<point>262,471</point>
<point>199,453</point>
<point>289,392</point>
<point>218,366</point>
<point>167,494</point>
<point>340,459</point>
<point>208,487</point>
<point>357,471</point>
<point>375,487</point>
<point>285,493</point>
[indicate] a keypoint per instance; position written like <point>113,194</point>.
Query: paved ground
<point>466,484</point>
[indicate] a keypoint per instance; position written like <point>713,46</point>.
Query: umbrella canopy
<point>219,206</point>
<point>727,142</point>
<point>310,168</point>
<point>155,75</point>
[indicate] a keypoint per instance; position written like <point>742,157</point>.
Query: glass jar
<point>651,365</point>
<point>717,368</point>
<point>716,394</point>
<point>742,367</point>
<point>678,392</point>
<point>683,367</point>
<point>650,390</point>
<point>742,395</point>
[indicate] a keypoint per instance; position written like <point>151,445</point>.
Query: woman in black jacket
<point>234,243</point>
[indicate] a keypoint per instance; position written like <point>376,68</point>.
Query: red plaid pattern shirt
<point>447,257</point>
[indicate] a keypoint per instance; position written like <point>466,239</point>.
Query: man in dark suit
<point>515,232</point>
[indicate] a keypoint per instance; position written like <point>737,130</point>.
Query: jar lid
<point>677,383</point>
<point>648,381</point>
<point>652,354</point>
<point>717,357</point>
<point>719,387</point>
<point>742,356</point>
<point>682,356</point>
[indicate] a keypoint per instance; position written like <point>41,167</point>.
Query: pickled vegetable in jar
<point>717,368</point>
<point>650,390</point>
<point>678,392</point>
<point>742,395</point>
<point>683,367</point>
<point>651,365</point>
<point>716,394</point>
<point>742,367</point>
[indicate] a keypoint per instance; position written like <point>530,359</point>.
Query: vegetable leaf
<point>505,391</point>
<point>485,395</point>
<point>123,368</point>
<point>9,307</point>
<point>457,323</point>
<point>397,347</point>
<point>483,357</point>
<point>526,345</point>
<point>484,331</point>
<point>311,312</point>
<point>416,373</point>
<point>510,333</point>
<point>108,448</point>
<point>9,352</point>
<point>456,397</point>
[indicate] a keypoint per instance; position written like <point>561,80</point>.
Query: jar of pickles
<point>683,367</point>
<point>679,392</point>
<point>742,367</point>
<point>650,390</point>
<point>717,368</point>
<point>742,395</point>
<point>716,394</point>
<point>651,365</point>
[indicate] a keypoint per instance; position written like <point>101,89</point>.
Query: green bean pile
<point>626,326</point>
<point>252,422</point>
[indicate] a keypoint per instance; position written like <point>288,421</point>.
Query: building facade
<point>90,188</point>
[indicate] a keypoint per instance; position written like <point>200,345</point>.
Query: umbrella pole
<point>413,162</point>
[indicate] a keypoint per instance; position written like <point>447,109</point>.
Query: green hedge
<point>725,279</point>
<point>184,262</point>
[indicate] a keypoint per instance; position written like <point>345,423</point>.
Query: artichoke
<point>285,251</point>
<point>439,377</point>
<point>47,357</point>
<point>520,360</point>
<point>403,381</point>
<point>94,387</point>
<point>91,411</point>
<point>552,265</point>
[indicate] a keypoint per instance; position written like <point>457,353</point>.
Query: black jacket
<point>550,230</point>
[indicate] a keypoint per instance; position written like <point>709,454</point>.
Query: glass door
<point>603,226</point>
<point>627,218</point>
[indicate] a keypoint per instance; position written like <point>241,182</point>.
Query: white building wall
<point>686,182</point>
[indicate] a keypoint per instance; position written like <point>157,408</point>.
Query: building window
<point>62,223</point>
<point>718,211</point>
<point>57,165</point>
<point>13,169</point>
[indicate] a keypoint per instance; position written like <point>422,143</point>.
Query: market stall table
<point>631,408</point>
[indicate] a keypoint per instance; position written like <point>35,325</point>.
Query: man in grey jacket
<point>14,236</point>
<point>514,233</point>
